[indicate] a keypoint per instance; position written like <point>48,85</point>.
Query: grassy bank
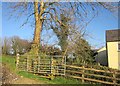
<point>10,62</point>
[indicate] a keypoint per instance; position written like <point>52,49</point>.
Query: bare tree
<point>48,13</point>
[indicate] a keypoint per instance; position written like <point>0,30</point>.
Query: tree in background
<point>51,50</point>
<point>79,51</point>
<point>20,45</point>
<point>83,52</point>
<point>15,44</point>
<point>62,32</point>
<point>6,46</point>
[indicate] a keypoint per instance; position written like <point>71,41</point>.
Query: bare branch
<point>27,20</point>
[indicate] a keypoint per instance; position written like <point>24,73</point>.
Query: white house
<point>102,56</point>
<point>110,55</point>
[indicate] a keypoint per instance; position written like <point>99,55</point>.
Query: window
<point>119,47</point>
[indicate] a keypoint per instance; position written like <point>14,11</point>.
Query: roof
<point>102,49</point>
<point>113,35</point>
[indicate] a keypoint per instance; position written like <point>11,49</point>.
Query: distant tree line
<point>14,45</point>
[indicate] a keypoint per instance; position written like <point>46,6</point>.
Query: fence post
<point>34,65</point>
<point>83,74</point>
<point>27,63</point>
<point>64,65</point>
<point>38,64</point>
<point>52,75</point>
<point>114,78</point>
<point>51,65</point>
<point>17,60</point>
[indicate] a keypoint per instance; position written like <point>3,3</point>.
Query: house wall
<point>113,55</point>
<point>102,57</point>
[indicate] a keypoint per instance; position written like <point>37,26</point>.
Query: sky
<point>0,19</point>
<point>96,29</point>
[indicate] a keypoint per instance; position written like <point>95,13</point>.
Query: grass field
<point>10,62</point>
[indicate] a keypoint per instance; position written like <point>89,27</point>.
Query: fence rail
<point>56,67</point>
<point>93,75</point>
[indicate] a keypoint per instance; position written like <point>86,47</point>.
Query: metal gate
<point>45,65</point>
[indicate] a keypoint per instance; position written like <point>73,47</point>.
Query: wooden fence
<point>55,66</point>
<point>86,74</point>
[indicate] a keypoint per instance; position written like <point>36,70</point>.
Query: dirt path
<point>27,81</point>
<point>10,78</point>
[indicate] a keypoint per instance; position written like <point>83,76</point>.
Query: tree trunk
<point>38,27</point>
<point>38,24</point>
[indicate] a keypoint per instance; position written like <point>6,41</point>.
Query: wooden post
<point>114,78</point>
<point>17,61</point>
<point>52,69</point>
<point>38,64</point>
<point>51,65</point>
<point>30,63</point>
<point>83,74</point>
<point>33,65</point>
<point>27,63</point>
<point>57,69</point>
<point>64,65</point>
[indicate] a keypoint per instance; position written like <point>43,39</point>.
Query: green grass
<point>0,58</point>
<point>56,80</point>
<point>10,61</point>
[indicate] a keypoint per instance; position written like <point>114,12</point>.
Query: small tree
<point>83,52</point>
